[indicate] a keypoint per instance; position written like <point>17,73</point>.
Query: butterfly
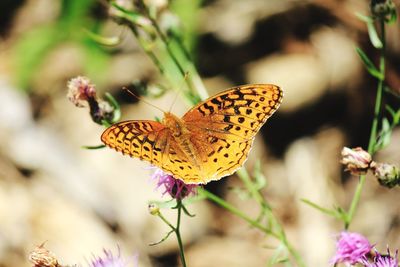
<point>212,140</point>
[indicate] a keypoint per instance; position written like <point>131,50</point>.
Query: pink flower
<point>82,93</point>
<point>174,187</point>
<point>80,90</point>
<point>109,260</point>
<point>351,248</point>
<point>381,261</point>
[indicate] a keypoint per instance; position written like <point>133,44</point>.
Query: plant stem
<point>374,127</point>
<point>280,236</point>
<point>178,233</point>
<point>236,211</point>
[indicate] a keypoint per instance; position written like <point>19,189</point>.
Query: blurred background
<point>81,201</point>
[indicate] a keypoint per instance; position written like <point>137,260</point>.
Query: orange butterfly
<point>210,141</point>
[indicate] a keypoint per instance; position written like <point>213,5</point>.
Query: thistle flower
<point>356,160</point>
<point>381,260</point>
<point>82,93</point>
<point>109,260</point>
<point>174,187</point>
<point>388,175</point>
<point>42,257</point>
<point>351,248</point>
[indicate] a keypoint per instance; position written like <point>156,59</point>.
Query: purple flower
<point>174,187</point>
<point>381,261</point>
<point>351,248</point>
<point>109,260</point>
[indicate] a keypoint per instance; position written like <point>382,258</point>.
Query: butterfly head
<point>175,124</point>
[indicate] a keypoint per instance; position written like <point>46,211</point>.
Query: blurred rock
<point>335,51</point>
<point>308,179</point>
<point>34,13</point>
<point>233,21</point>
<point>232,252</point>
<point>304,77</point>
<point>301,76</point>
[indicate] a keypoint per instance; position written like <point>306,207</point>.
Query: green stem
<point>236,211</point>
<point>178,233</point>
<point>195,84</point>
<point>148,51</point>
<point>374,127</point>
<point>244,176</point>
<point>280,236</point>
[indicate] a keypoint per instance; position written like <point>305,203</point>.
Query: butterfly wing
<point>151,141</point>
<point>146,140</point>
<point>223,127</point>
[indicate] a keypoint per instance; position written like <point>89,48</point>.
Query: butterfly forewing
<point>227,124</point>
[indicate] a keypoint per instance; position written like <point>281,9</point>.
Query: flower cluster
<point>353,248</point>
<point>174,187</point>
<point>82,93</point>
<point>359,161</point>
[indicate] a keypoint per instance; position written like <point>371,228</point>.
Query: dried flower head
<point>82,93</point>
<point>42,257</point>
<point>109,260</point>
<point>356,160</point>
<point>174,187</point>
<point>80,90</point>
<point>351,248</point>
<point>381,260</point>
<point>382,9</point>
<point>387,174</point>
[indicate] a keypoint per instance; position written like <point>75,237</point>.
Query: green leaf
<point>373,35</point>
<point>260,180</point>
<point>364,18</point>
<point>330,212</point>
<point>384,136</point>
<point>102,40</point>
<point>369,65</point>
<point>117,108</point>
<point>393,16</point>
<point>94,147</point>
<point>279,256</point>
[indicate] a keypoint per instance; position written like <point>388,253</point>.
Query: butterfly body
<point>210,141</point>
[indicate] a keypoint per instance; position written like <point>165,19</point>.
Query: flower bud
<point>154,209</point>
<point>356,160</point>
<point>42,257</point>
<point>382,9</point>
<point>388,175</point>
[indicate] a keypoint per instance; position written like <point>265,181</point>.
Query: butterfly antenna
<point>179,90</point>
<point>141,99</point>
